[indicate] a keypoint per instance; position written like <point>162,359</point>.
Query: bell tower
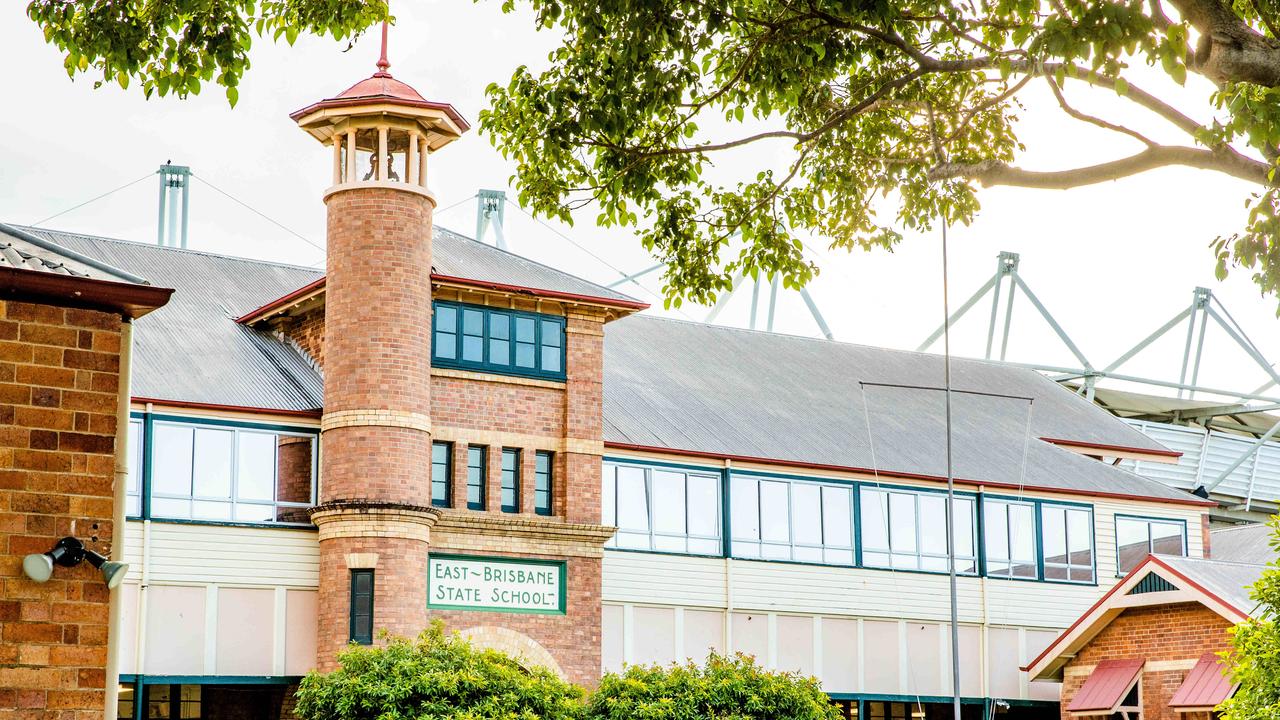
<point>376,442</point>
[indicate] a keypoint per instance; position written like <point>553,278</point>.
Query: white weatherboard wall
<point>858,630</point>
<point>219,600</point>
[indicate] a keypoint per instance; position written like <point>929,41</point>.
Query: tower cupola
<point>381,130</point>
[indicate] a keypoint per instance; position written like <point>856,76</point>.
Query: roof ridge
<point>1239,526</point>
<point>166,248</point>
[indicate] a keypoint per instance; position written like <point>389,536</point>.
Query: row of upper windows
<point>681,510</point>
<point>509,342</point>
<point>442,477</point>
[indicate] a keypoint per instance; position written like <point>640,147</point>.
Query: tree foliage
<point>725,688</point>
<point>1255,650</point>
<point>435,676</point>
<point>857,119</point>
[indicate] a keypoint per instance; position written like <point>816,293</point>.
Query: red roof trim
<point>1149,560</point>
<point>1104,446</point>
<point>1106,686</point>
<point>275,305</point>
<point>340,102</point>
<point>131,299</point>
<point>314,414</point>
<point>1206,686</point>
<point>280,302</point>
<point>896,474</point>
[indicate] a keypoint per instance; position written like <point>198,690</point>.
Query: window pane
<point>135,456</point>
<point>995,518</point>
<point>440,473</point>
<point>499,338</point>
<point>668,502</point>
<point>446,328</point>
<point>773,512</point>
<point>1132,542</point>
<point>211,510</point>
<point>446,346</point>
<point>171,460</point>
<point>933,525</point>
<point>245,512</point>
<point>875,520</point>
<point>524,330</point>
<point>294,463</point>
<point>551,333</point>
<point>1055,534</point>
<point>704,505</point>
<point>1166,539</point>
<point>837,520</point>
<point>473,335</point>
<point>902,522</point>
<point>1022,526</point>
<point>633,500</point>
<point>510,480</point>
<point>1079,538</point>
<point>608,489</point>
<point>806,515</point>
<point>256,466</point>
<point>963,514</point>
<point>165,507</point>
<point>744,517</point>
<point>525,347</point>
<point>476,474</point>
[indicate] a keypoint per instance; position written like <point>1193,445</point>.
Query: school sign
<point>464,582</point>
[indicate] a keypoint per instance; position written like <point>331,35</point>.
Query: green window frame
<point>362,584</point>
<point>543,482</point>
<point>477,472</point>
<point>496,340</point>
<point>510,500</point>
<point>1068,553</point>
<point>1157,537</point>
<point>903,528</point>
<point>441,474</point>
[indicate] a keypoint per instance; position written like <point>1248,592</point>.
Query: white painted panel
<point>175,630</point>
<point>883,649</point>
<point>644,578</point>
<point>703,633</point>
<point>1035,604</point>
<point>189,553</point>
<point>924,658</point>
<point>1037,641</point>
<point>246,631</point>
<point>655,638</point>
<point>751,635</point>
<point>970,661</point>
<point>127,596</point>
<point>300,631</point>
<point>839,655</point>
<point>611,640</point>
<point>1003,661</point>
<point>795,644</point>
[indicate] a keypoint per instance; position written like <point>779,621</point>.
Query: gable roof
<point>1243,543</point>
<point>724,392</point>
<point>1223,587</point>
<point>35,269</point>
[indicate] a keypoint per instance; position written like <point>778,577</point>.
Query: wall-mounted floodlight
<point>69,552</point>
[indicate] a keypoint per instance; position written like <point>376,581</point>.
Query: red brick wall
<point>1180,632</point>
<point>59,375</point>
<point>306,330</point>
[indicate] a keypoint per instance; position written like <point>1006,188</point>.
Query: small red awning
<point>1106,687</point>
<point>1205,686</point>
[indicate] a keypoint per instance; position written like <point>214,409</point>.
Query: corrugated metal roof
<point>725,391</point>
<point>1243,544</point>
<point>1230,582</point>
<point>192,350</point>
<point>458,256</point>
<point>23,250</point>
<point>1106,687</point>
<point>1206,686</point>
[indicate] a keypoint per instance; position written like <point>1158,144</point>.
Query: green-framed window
<point>543,482</point>
<point>665,509</point>
<point>510,480</point>
<point>220,471</point>
<point>1010,540</point>
<point>906,529</point>
<point>362,606</point>
<point>780,519</point>
<point>441,473</point>
<point>1066,541</point>
<point>1136,537</point>
<point>477,472</point>
<point>510,342</point>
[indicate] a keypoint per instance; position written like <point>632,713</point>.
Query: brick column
<point>584,398</point>
<point>493,479</point>
<point>528,468</point>
<point>376,477</point>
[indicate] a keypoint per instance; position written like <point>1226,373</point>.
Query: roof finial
<point>383,63</point>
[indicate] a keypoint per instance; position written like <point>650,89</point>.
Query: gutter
<point>72,291</point>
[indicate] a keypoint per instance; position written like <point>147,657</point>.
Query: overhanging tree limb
<point>992,172</point>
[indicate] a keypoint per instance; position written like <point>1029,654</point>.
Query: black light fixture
<point>69,552</point>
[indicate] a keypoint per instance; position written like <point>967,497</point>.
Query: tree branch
<point>994,172</point>
<point>1092,120</point>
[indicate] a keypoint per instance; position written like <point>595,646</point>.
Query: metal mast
<point>175,190</point>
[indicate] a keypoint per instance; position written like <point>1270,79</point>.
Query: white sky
<point>1112,261</point>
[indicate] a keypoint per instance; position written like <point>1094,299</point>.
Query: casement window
<point>906,530</point>
<point>477,472</point>
<point>510,480</point>
<point>441,474</point>
<point>543,485</point>
<point>133,487</point>
<point>361,607</point>
<point>663,509</point>
<point>1137,537</point>
<point>801,520</point>
<point>1066,536</point>
<point>226,472</point>
<point>511,342</point>
<point>1009,538</point>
